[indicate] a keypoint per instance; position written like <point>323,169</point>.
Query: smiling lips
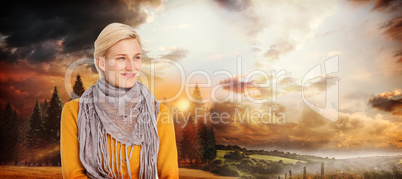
<point>128,75</point>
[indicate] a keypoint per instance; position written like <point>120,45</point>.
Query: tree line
<point>35,139</point>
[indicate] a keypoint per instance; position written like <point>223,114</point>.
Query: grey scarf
<point>129,117</point>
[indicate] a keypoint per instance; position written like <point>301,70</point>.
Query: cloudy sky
<point>262,50</point>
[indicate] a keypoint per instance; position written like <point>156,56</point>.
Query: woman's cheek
<point>112,62</point>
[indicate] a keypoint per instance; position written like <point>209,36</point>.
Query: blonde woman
<point>117,129</point>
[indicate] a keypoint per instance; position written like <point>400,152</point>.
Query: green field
<point>276,158</point>
<point>221,153</point>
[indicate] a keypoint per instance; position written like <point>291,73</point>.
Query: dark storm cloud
<point>388,101</point>
<point>8,55</point>
<point>28,24</point>
<point>43,52</point>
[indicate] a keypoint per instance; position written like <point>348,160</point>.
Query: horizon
<point>314,77</point>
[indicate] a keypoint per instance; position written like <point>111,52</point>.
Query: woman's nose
<point>130,64</point>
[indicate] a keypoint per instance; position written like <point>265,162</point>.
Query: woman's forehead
<point>126,47</point>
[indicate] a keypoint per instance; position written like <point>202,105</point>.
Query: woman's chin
<point>127,84</point>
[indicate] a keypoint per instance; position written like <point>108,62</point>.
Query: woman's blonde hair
<point>109,36</point>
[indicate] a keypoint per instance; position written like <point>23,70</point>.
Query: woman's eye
<point>121,58</point>
<point>137,57</point>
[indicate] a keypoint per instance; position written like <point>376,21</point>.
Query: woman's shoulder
<point>73,104</point>
<point>71,108</point>
<point>69,114</point>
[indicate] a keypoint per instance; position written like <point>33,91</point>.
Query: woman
<point>117,129</point>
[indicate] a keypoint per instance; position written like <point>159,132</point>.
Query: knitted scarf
<point>126,114</point>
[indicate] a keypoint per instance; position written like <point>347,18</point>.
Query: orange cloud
<point>388,101</point>
<point>237,84</point>
<point>353,131</point>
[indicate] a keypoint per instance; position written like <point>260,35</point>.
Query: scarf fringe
<point>96,159</point>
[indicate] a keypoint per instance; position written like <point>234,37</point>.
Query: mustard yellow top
<point>69,146</point>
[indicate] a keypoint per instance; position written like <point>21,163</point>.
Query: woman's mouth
<point>128,75</point>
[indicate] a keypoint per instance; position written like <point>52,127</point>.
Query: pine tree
<point>206,141</point>
<point>189,144</point>
<point>36,126</point>
<point>44,107</point>
<point>196,95</point>
<point>36,135</point>
<point>78,88</point>
<point>9,135</point>
<point>206,136</point>
<point>23,139</point>
<point>52,123</point>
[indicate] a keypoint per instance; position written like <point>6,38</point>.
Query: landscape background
<point>223,43</point>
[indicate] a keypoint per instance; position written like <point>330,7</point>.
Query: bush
<point>236,155</point>
<point>212,165</point>
<point>246,165</point>
<point>247,161</point>
<point>218,162</point>
<point>227,170</point>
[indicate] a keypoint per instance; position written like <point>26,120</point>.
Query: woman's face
<point>123,63</point>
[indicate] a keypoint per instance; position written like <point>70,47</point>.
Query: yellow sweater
<point>69,146</point>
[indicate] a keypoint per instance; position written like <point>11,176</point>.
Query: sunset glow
<point>278,52</point>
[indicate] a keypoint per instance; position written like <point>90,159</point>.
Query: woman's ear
<point>101,63</point>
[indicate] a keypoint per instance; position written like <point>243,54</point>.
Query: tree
<point>35,132</point>
<point>52,123</point>
<point>44,107</point>
<point>196,102</point>
<point>206,136</point>
<point>9,135</point>
<point>189,144</point>
<point>23,134</point>
<point>78,88</point>
<point>210,148</point>
<point>206,141</point>
<point>36,127</point>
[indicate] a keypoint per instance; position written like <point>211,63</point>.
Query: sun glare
<point>183,105</point>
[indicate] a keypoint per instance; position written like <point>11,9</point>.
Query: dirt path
<point>22,172</point>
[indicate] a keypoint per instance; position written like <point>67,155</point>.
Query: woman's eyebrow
<point>123,54</point>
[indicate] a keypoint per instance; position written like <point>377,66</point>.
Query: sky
<point>329,70</point>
